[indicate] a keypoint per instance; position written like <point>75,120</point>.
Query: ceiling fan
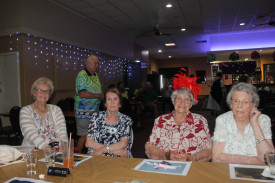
<point>269,22</point>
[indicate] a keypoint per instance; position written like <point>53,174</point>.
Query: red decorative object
<point>181,80</point>
<point>273,55</point>
<point>255,55</point>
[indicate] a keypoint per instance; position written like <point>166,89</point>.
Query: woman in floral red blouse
<point>181,135</point>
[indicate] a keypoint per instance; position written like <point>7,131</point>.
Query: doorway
<point>9,84</point>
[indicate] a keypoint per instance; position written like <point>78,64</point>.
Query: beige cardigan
<point>29,128</point>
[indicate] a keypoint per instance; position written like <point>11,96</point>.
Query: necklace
<point>111,128</point>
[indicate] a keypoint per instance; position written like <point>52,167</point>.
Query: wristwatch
<point>259,140</point>
<point>108,149</point>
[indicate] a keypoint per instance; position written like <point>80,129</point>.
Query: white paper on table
<point>25,179</point>
<point>266,173</point>
<point>175,167</point>
<point>248,172</point>
<point>78,159</point>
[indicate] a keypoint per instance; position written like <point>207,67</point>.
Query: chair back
<point>66,104</point>
<point>14,119</point>
<point>269,110</point>
<point>69,103</point>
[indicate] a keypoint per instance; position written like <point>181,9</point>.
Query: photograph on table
<point>77,159</point>
<point>249,172</point>
<point>165,167</point>
<point>25,180</point>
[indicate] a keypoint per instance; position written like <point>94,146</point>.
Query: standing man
<point>87,99</point>
<point>148,99</point>
<point>216,95</point>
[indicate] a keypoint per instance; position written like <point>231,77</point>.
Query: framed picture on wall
<point>269,73</point>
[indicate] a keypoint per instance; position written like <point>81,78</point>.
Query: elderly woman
<point>42,123</point>
<point>110,132</point>
<point>242,135</point>
<point>180,135</point>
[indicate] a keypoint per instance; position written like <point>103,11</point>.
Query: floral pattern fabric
<point>45,127</point>
<point>235,143</point>
<point>189,137</point>
<point>100,131</point>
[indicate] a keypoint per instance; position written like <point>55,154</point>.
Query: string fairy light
<point>70,57</point>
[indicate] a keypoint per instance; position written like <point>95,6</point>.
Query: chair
<point>5,131</point>
<point>14,129</point>
<point>264,98</point>
<point>269,110</point>
<point>14,119</point>
<point>67,106</point>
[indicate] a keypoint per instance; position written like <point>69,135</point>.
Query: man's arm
<point>86,94</point>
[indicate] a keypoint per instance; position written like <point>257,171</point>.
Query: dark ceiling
<point>150,24</point>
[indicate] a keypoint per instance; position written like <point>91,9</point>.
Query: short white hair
<point>244,87</point>
<point>40,81</point>
<point>182,91</point>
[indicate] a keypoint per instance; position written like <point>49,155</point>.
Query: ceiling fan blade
<point>261,24</point>
<point>165,34</point>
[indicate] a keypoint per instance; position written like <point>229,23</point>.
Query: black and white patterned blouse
<point>107,134</point>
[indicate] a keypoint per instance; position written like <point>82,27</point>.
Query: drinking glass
<point>68,153</point>
<point>49,153</point>
<point>270,158</point>
<point>31,160</point>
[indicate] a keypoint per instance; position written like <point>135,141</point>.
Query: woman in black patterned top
<point>110,132</point>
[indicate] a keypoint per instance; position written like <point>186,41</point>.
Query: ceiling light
<point>137,61</point>
<point>242,23</point>
<point>159,51</point>
<point>169,56</point>
<point>183,29</point>
<point>170,44</point>
<point>168,5</point>
<point>261,50</point>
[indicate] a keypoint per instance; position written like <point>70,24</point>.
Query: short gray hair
<point>244,87</point>
<point>182,91</point>
<point>39,81</point>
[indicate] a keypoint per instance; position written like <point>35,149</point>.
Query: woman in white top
<point>242,135</point>
<point>42,123</point>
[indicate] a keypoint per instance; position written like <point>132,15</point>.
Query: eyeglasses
<point>185,100</point>
<point>42,91</point>
<point>237,102</point>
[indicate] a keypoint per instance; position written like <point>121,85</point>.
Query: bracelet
<point>259,140</point>
<point>108,149</point>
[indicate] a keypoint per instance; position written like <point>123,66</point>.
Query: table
<point>100,169</point>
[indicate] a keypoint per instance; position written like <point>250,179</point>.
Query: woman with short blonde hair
<point>41,123</point>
